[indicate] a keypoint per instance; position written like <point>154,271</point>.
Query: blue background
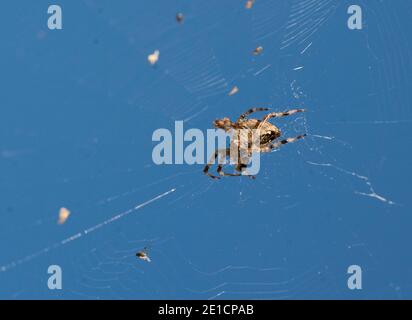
<point>78,107</point>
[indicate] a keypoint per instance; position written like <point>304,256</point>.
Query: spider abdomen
<point>268,137</point>
<point>268,133</point>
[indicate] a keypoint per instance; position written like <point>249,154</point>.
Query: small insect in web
<point>242,143</point>
<point>142,255</point>
<point>258,51</point>
<point>180,17</point>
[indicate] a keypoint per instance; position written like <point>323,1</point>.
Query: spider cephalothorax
<point>243,142</point>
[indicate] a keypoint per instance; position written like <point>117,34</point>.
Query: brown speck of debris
<point>258,50</point>
<point>180,17</point>
<point>63,216</point>
<point>249,4</point>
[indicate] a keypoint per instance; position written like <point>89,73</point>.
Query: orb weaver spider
<point>242,145</point>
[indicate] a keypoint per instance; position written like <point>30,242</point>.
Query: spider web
<point>277,237</point>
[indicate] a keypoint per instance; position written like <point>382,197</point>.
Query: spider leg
<point>220,168</point>
<point>240,166</point>
<point>281,143</point>
<point>224,174</point>
<point>212,160</point>
<point>281,114</point>
<point>250,111</point>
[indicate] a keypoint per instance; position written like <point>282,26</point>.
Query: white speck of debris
<point>154,57</point>
<point>298,68</point>
<point>234,90</point>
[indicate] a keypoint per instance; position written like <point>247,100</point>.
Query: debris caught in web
<point>142,255</point>
<point>249,4</point>
<point>180,17</point>
<point>258,50</point>
<point>63,215</point>
<point>154,57</point>
<point>234,90</point>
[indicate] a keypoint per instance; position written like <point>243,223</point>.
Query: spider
<point>267,132</point>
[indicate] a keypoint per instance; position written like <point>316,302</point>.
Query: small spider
<point>267,132</point>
